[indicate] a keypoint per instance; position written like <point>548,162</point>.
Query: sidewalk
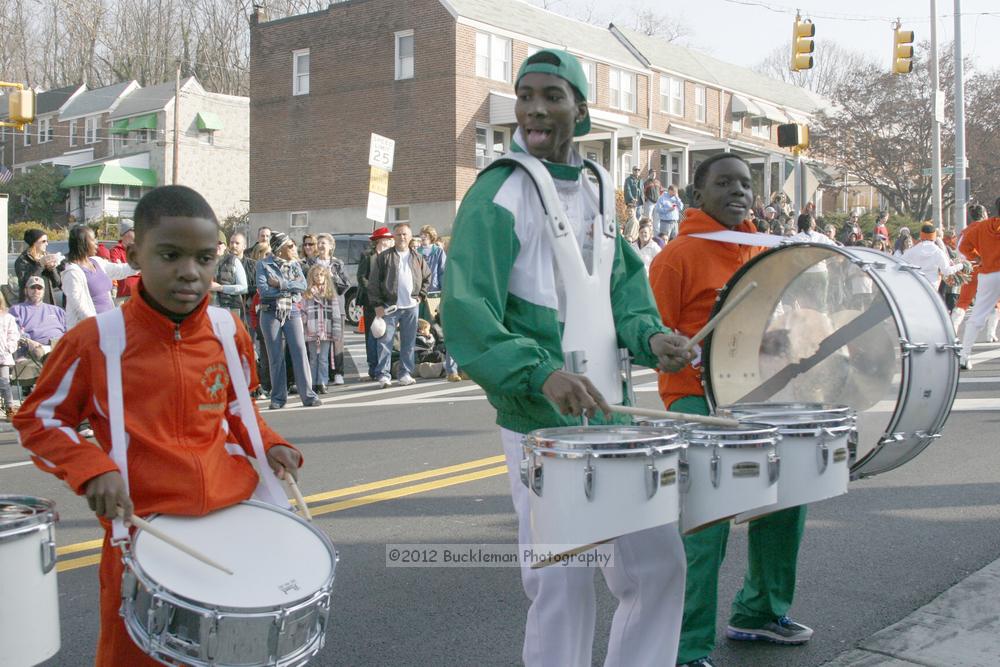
<point>959,628</point>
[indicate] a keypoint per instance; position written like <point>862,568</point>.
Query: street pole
<point>961,196</point>
<point>938,117</point>
<point>177,123</point>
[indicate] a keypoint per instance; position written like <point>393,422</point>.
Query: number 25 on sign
<point>381,152</point>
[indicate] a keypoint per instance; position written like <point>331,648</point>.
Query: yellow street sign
<point>379,181</point>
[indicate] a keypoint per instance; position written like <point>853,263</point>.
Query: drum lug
<point>773,467</point>
<point>588,476</point>
<point>535,477</point>
<point>852,446</point>
<point>683,476</point>
<point>157,616</point>
<point>822,456</point>
<point>652,477</point>
<point>890,438</point>
<point>955,347</point>
<point>129,584</point>
<point>907,347</point>
<point>924,435</point>
<point>715,466</point>
<point>525,467</point>
<point>211,635</point>
<point>48,552</point>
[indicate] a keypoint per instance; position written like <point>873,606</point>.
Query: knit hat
<point>564,65</point>
<point>928,233</point>
<point>32,235</point>
<point>380,233</point>
<point>124,227</point>
<point>278,240</point>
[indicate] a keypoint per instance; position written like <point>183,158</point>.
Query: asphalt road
<point>420,465</point>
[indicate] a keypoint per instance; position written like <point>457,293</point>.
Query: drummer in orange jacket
<point>981,239</point>
<point>178,421</point>
<point>685,278</point>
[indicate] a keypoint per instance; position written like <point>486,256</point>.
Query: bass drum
<point>847,326</point>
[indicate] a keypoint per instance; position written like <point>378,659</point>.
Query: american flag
<point>5,174</point>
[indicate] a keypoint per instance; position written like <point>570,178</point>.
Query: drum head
<point>817,329</point>
<point>275,557</point>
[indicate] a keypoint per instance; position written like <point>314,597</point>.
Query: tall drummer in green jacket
<point>503,305</point>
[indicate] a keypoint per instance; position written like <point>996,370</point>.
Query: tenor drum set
<point>833,363</point>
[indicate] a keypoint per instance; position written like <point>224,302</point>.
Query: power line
<point>834,16</point>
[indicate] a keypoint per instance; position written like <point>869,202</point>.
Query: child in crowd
<point>177,455</point>
<point>10,336</point>
<point>322,319</point>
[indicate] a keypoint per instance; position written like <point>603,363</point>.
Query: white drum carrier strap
<point>743,238</point>
<point>269,489</point>
<point>589,327</point>
<point>111,327</point>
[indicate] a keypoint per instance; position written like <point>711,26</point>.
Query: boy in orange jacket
<point>981,239</point>
<point>686,276</point>
<point>177,397</point>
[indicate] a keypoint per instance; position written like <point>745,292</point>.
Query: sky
<point>745,31</point>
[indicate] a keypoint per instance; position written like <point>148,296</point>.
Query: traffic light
<point>802,44</point>
<point>793,135</point>
<point>902,50</point>
<point>21,106</point>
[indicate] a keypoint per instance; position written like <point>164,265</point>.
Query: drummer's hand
<point>670,351</point>
<point>574,394</point>
<point>105,493</point>
<point>284,461</point>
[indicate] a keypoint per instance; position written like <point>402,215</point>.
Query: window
<point>590,71</point>
<point>206,137</point>
<point>300,72</point>
<point>492,57</point>
<point>399,214</point>
<point>626,163</point>
<point>760,128</point>
<point>299,220</point>
<point>670,169</point>
<point>737,127</point>
<point>491,143</point>
<point>700,105</point>
<point>90,130</point>
<point>404,55</point>
<point>672,95</point>
<point>135,192</point>
<point>118,191</point>
<point>27,135</point>
<point>72,133</point>
<point>92,192</point>
<point>45,131</point>
<point>622,90</point>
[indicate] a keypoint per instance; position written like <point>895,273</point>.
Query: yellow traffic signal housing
<point>21,106</point>
<point>802,44</point>
<point>902,51</point>
<point>793,135</point>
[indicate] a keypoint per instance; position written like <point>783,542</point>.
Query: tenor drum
<point>730,470</point>
<point>272,611</point>
<point>844,326</point>
<point>591,484</point>
<point>815,443</point>
<point>29,599</point>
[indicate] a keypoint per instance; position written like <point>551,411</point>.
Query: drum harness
<point>111,327</point>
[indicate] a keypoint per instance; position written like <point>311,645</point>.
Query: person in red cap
<point>381,240</point>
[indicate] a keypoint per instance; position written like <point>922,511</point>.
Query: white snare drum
<point>29,599</point>
<point>729,471</point>
<point>272,611</point>
<point>835,325</point>
<point>591,484</point>
<point>814,450</point>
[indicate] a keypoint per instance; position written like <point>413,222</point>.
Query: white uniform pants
<point>987,295</point>
<point>647,578</point>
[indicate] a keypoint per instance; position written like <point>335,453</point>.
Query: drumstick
<point>142,524</point>
<point>299,500</point>
<point>677,416</point>
<point>730,304</point>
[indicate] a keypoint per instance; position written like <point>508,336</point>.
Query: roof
<point>95,101</point>
<point>734,78</point>
<point>151,98</point>
<point>52,100</point>
<point>545,26</point>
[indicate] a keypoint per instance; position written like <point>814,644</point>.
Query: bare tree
<point>832,66</point>
<point>651,22</point>
<point>982,131</point>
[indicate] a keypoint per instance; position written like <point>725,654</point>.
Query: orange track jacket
<point>983,239</point>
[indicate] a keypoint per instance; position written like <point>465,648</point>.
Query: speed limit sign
<point>381,152</point>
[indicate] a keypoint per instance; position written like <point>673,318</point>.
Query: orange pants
<point>968,292</point>
<point>114,646</point>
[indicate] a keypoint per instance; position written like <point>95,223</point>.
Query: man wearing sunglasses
<point>41,323</point>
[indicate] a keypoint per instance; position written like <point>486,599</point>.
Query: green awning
<point>120,126</point>
<point>109,174</point>
<point>209,121</point>
<point>147,122</point>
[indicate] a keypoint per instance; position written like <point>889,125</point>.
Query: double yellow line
<point>354,496</point>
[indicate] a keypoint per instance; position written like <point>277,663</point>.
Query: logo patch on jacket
<point>215,380</point>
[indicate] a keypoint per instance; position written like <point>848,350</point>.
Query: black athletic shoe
<point>780,631</point>
<point>700,662</point>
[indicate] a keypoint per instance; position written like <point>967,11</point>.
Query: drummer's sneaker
<point>700,662</point>
<point>385,382</point>
<point>965,363</point>
<point>781,631</point>
<point>406,380</point>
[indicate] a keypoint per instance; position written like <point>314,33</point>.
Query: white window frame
<point>96,189</point>
<point>206,137</point>
<point>736,124</point>
<point>300,80</point>
<point>45,132</point>
<point>72,133</point>
<point>590,71</point>
<point>402,71</point>
<point>760,127</point>
<point>489,152</point>
<point>487,65</point>
<point>701,104</point>
<point>27,135</point>
<point>293,216</point>
<point>394,214</point>
<point>621,98</point>
<point>669,102</point>
<point>90,130</point>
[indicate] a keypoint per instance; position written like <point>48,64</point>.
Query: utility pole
<point>177,122</point>
<point>961,196</point>
<point>937,119</point>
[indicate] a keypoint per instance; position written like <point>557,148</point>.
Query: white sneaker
<point>406,380</point>
<point>338,379</point>
<point>384,383</point>
<point>965,363</point>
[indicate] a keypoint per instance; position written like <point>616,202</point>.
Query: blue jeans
<point>319,361</point>
<point>406,320</point>
<point>276,335</point>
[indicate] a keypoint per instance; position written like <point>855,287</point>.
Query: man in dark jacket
<point>397,284</point>
<point>381,239</point>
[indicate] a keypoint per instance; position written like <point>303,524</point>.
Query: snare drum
<point>29,599</point>
<point>592,484</point>
<point>729,471</point>
<point>272,611</point>
<point>879,340</point>
<point>814,450</point>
